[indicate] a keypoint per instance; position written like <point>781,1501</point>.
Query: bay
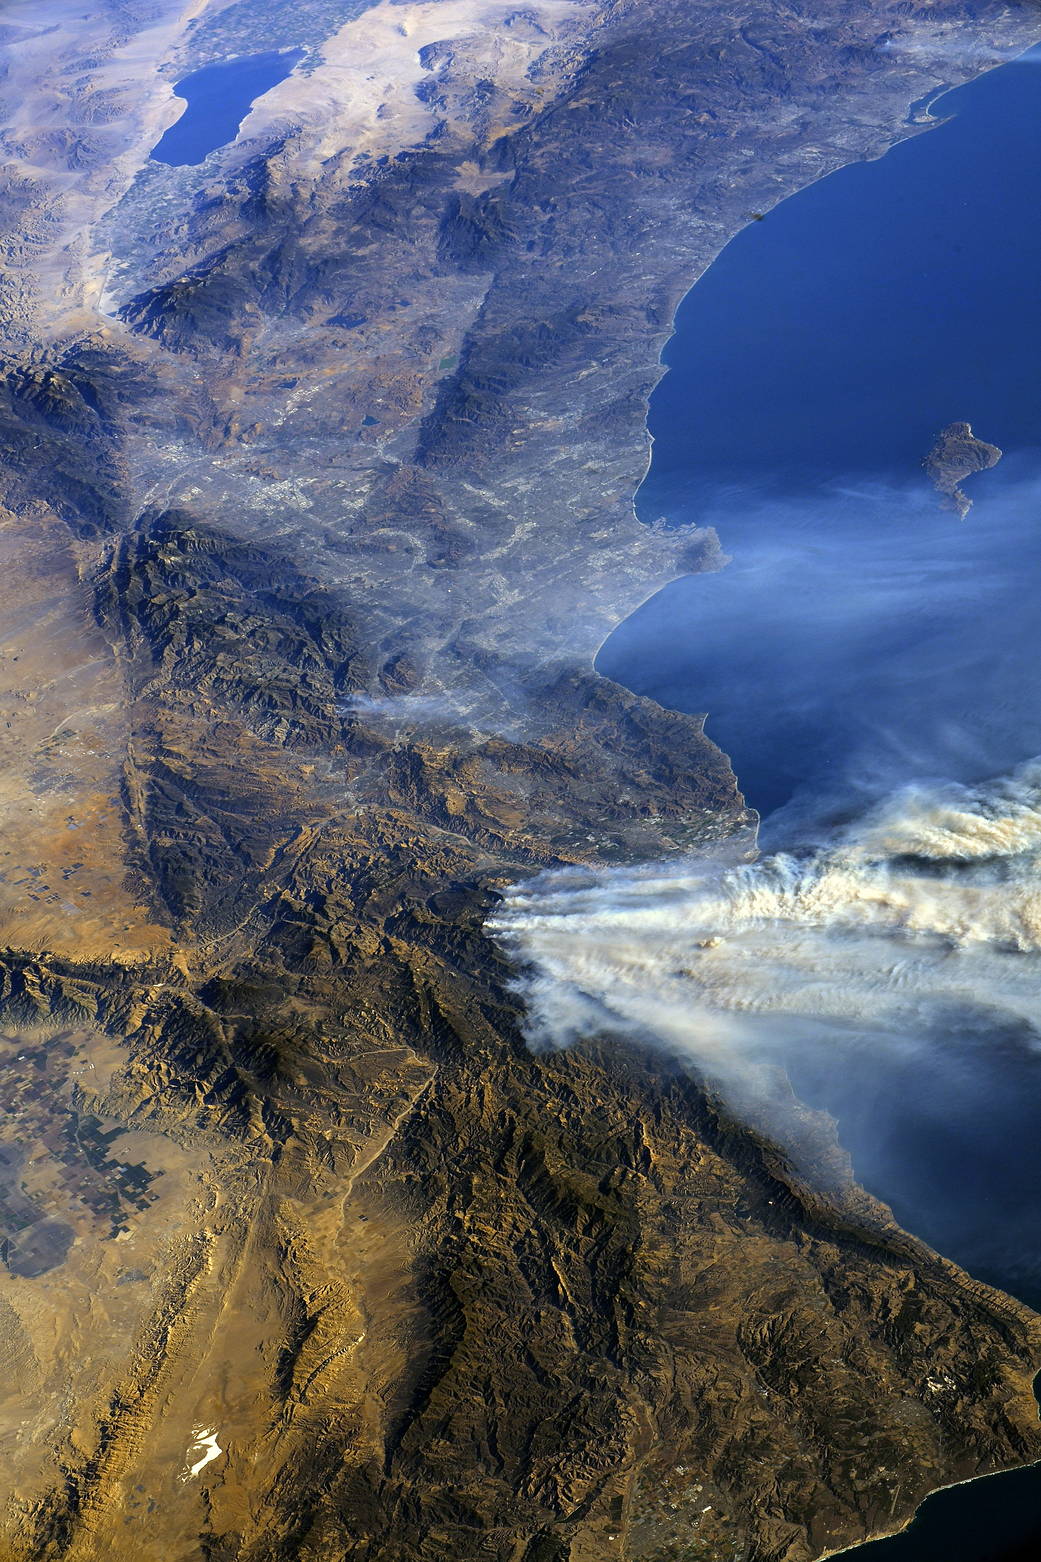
<point>863,638</point>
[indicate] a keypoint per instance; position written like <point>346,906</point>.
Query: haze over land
<point>317,480</point>
<point>906,946</point>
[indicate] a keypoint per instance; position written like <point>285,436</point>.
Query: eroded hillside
<point>318,464</point>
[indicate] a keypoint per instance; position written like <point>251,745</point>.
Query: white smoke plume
<point>922,917</point>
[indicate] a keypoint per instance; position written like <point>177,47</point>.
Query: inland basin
<point>453,1106</point>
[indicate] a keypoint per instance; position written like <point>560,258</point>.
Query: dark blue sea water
<point>862,637</point>
<point>861,633</point>
<point>834,338</point>
<point>219,97</point>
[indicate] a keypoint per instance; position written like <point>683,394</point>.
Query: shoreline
<point>970,1480</point>
<point>913,125</point>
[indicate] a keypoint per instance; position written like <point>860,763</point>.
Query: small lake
<point>218,99</point>
<point>862,637</point>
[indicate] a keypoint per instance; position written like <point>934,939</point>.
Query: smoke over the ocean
<point>893,972</point>
<point>865,661</point>
<point>927,906</point>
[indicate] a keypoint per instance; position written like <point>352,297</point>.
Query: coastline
<point>853,1552</point>
<point>368,525</point>
<point>1029,1382</point>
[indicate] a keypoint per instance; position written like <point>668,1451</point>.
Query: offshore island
<point>956,455</point>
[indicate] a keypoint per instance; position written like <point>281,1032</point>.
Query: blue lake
<point>218,99</point>
<point>862,637</point>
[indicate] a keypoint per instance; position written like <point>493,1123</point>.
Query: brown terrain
<point>956,455</point>
<point>317,465</point>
